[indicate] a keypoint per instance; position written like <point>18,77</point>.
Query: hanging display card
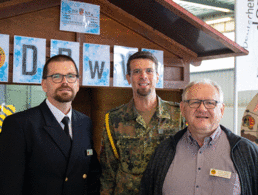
<point>4,57</point>
<point>96,65</point>
<point>29,57</point>
<point>65,48</point>
<point>79,17</point>
<point>121,55</point>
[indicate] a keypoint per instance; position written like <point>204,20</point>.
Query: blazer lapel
<point>55,131</point>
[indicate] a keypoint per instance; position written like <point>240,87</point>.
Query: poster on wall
<point>4,57</point>
<point>96,65</point>
<point>66,48</point>
<point>247,37</point>
<point>29,57</point>
<point>121,55</point>
<point>249,127</point>
<point>79,17</point>
<point>159,55</point>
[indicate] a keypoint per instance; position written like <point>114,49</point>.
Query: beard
<point>64,96</point>
<point>143,92</point>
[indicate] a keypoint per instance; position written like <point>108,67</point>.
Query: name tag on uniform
<point>220,173</point>
<point>89,152</point>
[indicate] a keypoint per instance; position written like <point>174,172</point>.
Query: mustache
<point>64,87</point>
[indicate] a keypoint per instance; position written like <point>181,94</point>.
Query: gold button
<point>66,179</point>
<point>84,176</point>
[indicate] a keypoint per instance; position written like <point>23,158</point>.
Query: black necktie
<point>65,121</point>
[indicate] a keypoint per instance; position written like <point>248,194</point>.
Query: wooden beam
<point>146,31</point>
<point>198,23</point>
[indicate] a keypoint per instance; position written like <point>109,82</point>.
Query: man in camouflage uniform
<point>136,128</point>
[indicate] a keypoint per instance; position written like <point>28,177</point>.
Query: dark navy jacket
<point>35,155</point>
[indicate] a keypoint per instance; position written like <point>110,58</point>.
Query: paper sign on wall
<point>28,59</point>
<point>66,48</point>
<point>96,65</point>
<point>4,57</point>
<point>159,55</point>
<point>121,55</point>
<point>79,17</point>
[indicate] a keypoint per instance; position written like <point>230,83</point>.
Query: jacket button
<point>84,176</point>
<point>66,179</point>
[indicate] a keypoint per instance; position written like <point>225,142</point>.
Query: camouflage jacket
<point>135,142</point>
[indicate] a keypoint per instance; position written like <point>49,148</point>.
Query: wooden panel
<point>24,6</point>
<point>7,3</point>
<point>174,74</point>
<point>41,24</point>
<point>104,99</point>
<point>82,101</point>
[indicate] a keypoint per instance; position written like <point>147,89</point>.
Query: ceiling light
<point>203,6</point>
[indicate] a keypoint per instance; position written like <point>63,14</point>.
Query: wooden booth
<point>154,24</point>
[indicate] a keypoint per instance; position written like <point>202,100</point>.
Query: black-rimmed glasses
<point>209,104</point>
<point>58,78</point>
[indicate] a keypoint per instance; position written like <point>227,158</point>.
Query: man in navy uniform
<point>48,149</point>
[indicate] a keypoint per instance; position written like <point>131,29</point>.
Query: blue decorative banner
<point>68,48</point>
<point>4,57</point>
<point>121,55</point>
<point>80,17</point>
<point>96,65</point>
<point>28,59</point>
<point>160,57</point>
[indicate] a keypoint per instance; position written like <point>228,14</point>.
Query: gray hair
<point>203,81</point>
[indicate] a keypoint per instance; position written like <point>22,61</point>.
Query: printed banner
<point>68,48</point>
<point>4,57</point>
<point>96,65</point>
<point>121,55</point>
<point>80,17</point>
<point>28,59</point>
<point>159,55</point>
<point>247,37</point>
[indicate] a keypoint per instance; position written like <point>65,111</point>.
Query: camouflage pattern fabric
<point>135,142</point>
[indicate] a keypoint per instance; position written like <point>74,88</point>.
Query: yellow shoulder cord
<point>110,136</point>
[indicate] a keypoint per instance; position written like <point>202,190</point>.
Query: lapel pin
<point>89,152</point>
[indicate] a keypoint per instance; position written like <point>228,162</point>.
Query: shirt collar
<point>163,110</point>
<point>59,115</point>
<point>212,138</point>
